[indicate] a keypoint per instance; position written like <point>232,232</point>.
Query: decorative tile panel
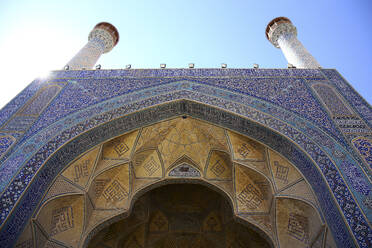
<point>331,100</point>
<point>357,102</point>
<point>75,148</point>
<point>26,116</point>
<point>349,123</point>
<point>98,100</point>
<point>12,107</point>
<point>364,147</point>
<point>280,91</point>
<point>5,143</point>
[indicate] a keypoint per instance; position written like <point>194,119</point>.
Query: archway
<point>102,184</point>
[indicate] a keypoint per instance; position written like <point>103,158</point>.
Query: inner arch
<point>179,215</point>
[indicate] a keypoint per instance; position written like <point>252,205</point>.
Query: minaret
<point>101,39</point>
<point>283,34</point>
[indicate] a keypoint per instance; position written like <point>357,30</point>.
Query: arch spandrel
<point>147,164</point>
<point>62,186</point>
<point>300,190</point>
<point>283,172</point>
<point>253,191</point>
<point>104,164</point>
<point>111,190</point>
<point>297,223</point>
<point>62,219</point>
<point>219,166</point>
<point>119,148</point>
<point>251,129</point>
<point>81,170</point>
<point>245,149</point>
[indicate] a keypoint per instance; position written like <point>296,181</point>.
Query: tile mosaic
<point>357,102</point>
<point>97,105</point>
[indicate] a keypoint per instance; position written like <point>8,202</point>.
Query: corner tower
<point>101,39</point>
<point>283,34</point>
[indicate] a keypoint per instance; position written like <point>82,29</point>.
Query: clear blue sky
<point>37,36</point>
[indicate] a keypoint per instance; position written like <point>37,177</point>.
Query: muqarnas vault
<point>187,157</point>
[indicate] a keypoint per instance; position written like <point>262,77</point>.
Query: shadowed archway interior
<point>179,215</point>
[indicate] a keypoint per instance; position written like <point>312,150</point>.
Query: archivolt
<point>219,117</point>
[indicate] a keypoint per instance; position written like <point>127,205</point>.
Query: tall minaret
<point>101,39</point>
<point>283,34</point>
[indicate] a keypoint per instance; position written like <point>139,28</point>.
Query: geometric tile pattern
<point>297,224</point>
<point>283,172</point>
<point>22,120</point>
<point>51,166</point>
<point>109,191</point>
<point>301,191</point>
<point>61,186</point>
<point>83,92</point>
<point>364,147</point>
<point>125,91</point>
<point>356,101</point>
<point>349,123</point>
<point>8,110</point>
<point>5,143</point>
<point>331,100</point>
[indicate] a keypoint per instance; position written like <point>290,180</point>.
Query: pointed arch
<point>243,125</point>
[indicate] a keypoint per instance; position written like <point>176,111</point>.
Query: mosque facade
<point>187,157</point>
